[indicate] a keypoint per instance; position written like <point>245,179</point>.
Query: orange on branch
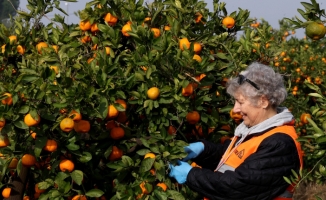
<point>193,117</point>
<point>198,18</point>
<point>55,69</point>
<point>85,25</point>
<point>55,48</point>
<point>197,58</point>
<point>8,100</point>
<point>156,32</point>
<point>172,130</point>
<point>153,93</point>
<point>110,125</point>
<point>6,192</point>
<point>4,141</point>
<point>28,160</point>
<point>150,155</point>
<point>188,91</point>
<point>315,30</point>
<point>197,47</point>
<point>30,121</point>
<point>112,112</point>
<point>2,122</point>
<point>107,50</point>
<point>228,22</point>
<point>143,188</point>
<point>66,165</point>
<point>20,49</point>
<point>184,43</point>
<point>51,145</point>
<point>125,29</point>
<point>67,124</point>
<point>38,190</point>
<point>110,19</point>
<point>94,28</point>
<point>167,28</point>
<point>116,154</point>
<point>163,186</point>
<point>76,115</point>
<point>235,116</point>
<point>13,163</point>
<point>40,46</point>
<point>117,133</point>
<point>79,197</point>
<point>122,102</point>
<point>82,126</point>
<point>303,118</point>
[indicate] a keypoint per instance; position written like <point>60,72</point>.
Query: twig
<point>12,5</point>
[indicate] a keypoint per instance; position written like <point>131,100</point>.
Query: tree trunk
<point>19,185</point>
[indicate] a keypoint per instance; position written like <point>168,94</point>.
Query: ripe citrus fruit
<point>121,102</point>
<point>172,130</point>
<point>55,69</point>
<point>187,91</point>
<point>303,118</point>
<point>197,58</point>
<point>51,145</point>
<point>28,160</point>
<point>197,47</point>
<point>198,17</point>
<point>38,190</point>
<point>20,49</point>
<point>79,197</point>
<point>67,124</point>
<point>4,141</point>
<point>125,29</point>
<point>110,125</point>
<point>112,112</point>
<point>235,116</point>
<point>143,188</point>
<point>76,115</point>
<point>66,165</point>
<point>107,50</point>
<point>153,93</point>
<point>82,126</point>
<point>6,192</point>
<point>315,30</point>
<point>156,32</point>
<point>116,154</point>
<point>163,186</point>
<point>117,133</point>
<point>110,19</point>
<point>228,22</point>
<point>13,39</point>
<point>8,100</point>
<point>184,43</point>
<point>149,155</point>
<point>193,117</point>
<point>167,28</point>
<point>94,28</point>
<point>41,45</point>
<point>85,25</point>
<point>55,48</point>
<point>2,122</point>
<point>30,121</point>
<point>13,163</point>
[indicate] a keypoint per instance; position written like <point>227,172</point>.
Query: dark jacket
<point>259,177</point>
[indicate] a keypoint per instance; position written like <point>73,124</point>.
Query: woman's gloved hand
<point>180,172</point>
<point>193,150</point>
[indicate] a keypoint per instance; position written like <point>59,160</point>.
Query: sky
<point>270,10</point>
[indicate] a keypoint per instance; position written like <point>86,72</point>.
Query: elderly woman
<point>263,150</point>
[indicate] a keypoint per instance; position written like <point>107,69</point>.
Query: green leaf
<point>175,195</point>
<point>39,144</point>
<point>85,157</point>
<point>77,176</point>
<point>103,107</point>
<point>127,161</point>
<point>146,164</point>
<point>20,124</point>
<point>142,152</point>
<point>94,193</point>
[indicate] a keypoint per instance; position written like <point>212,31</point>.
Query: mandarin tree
<point>84,87</point>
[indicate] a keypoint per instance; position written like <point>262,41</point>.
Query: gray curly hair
<point>270,83</point>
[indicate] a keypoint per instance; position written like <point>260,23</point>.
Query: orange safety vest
<point>245,149</point>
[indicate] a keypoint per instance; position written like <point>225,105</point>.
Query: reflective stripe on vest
<point>245,149</point>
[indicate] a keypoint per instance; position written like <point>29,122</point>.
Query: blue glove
<point>180,172</point>
<point>193,150</point>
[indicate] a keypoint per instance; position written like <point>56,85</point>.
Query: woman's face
<point>251,114</point>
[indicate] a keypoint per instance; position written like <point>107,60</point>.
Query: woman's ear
<point>264,103</point>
